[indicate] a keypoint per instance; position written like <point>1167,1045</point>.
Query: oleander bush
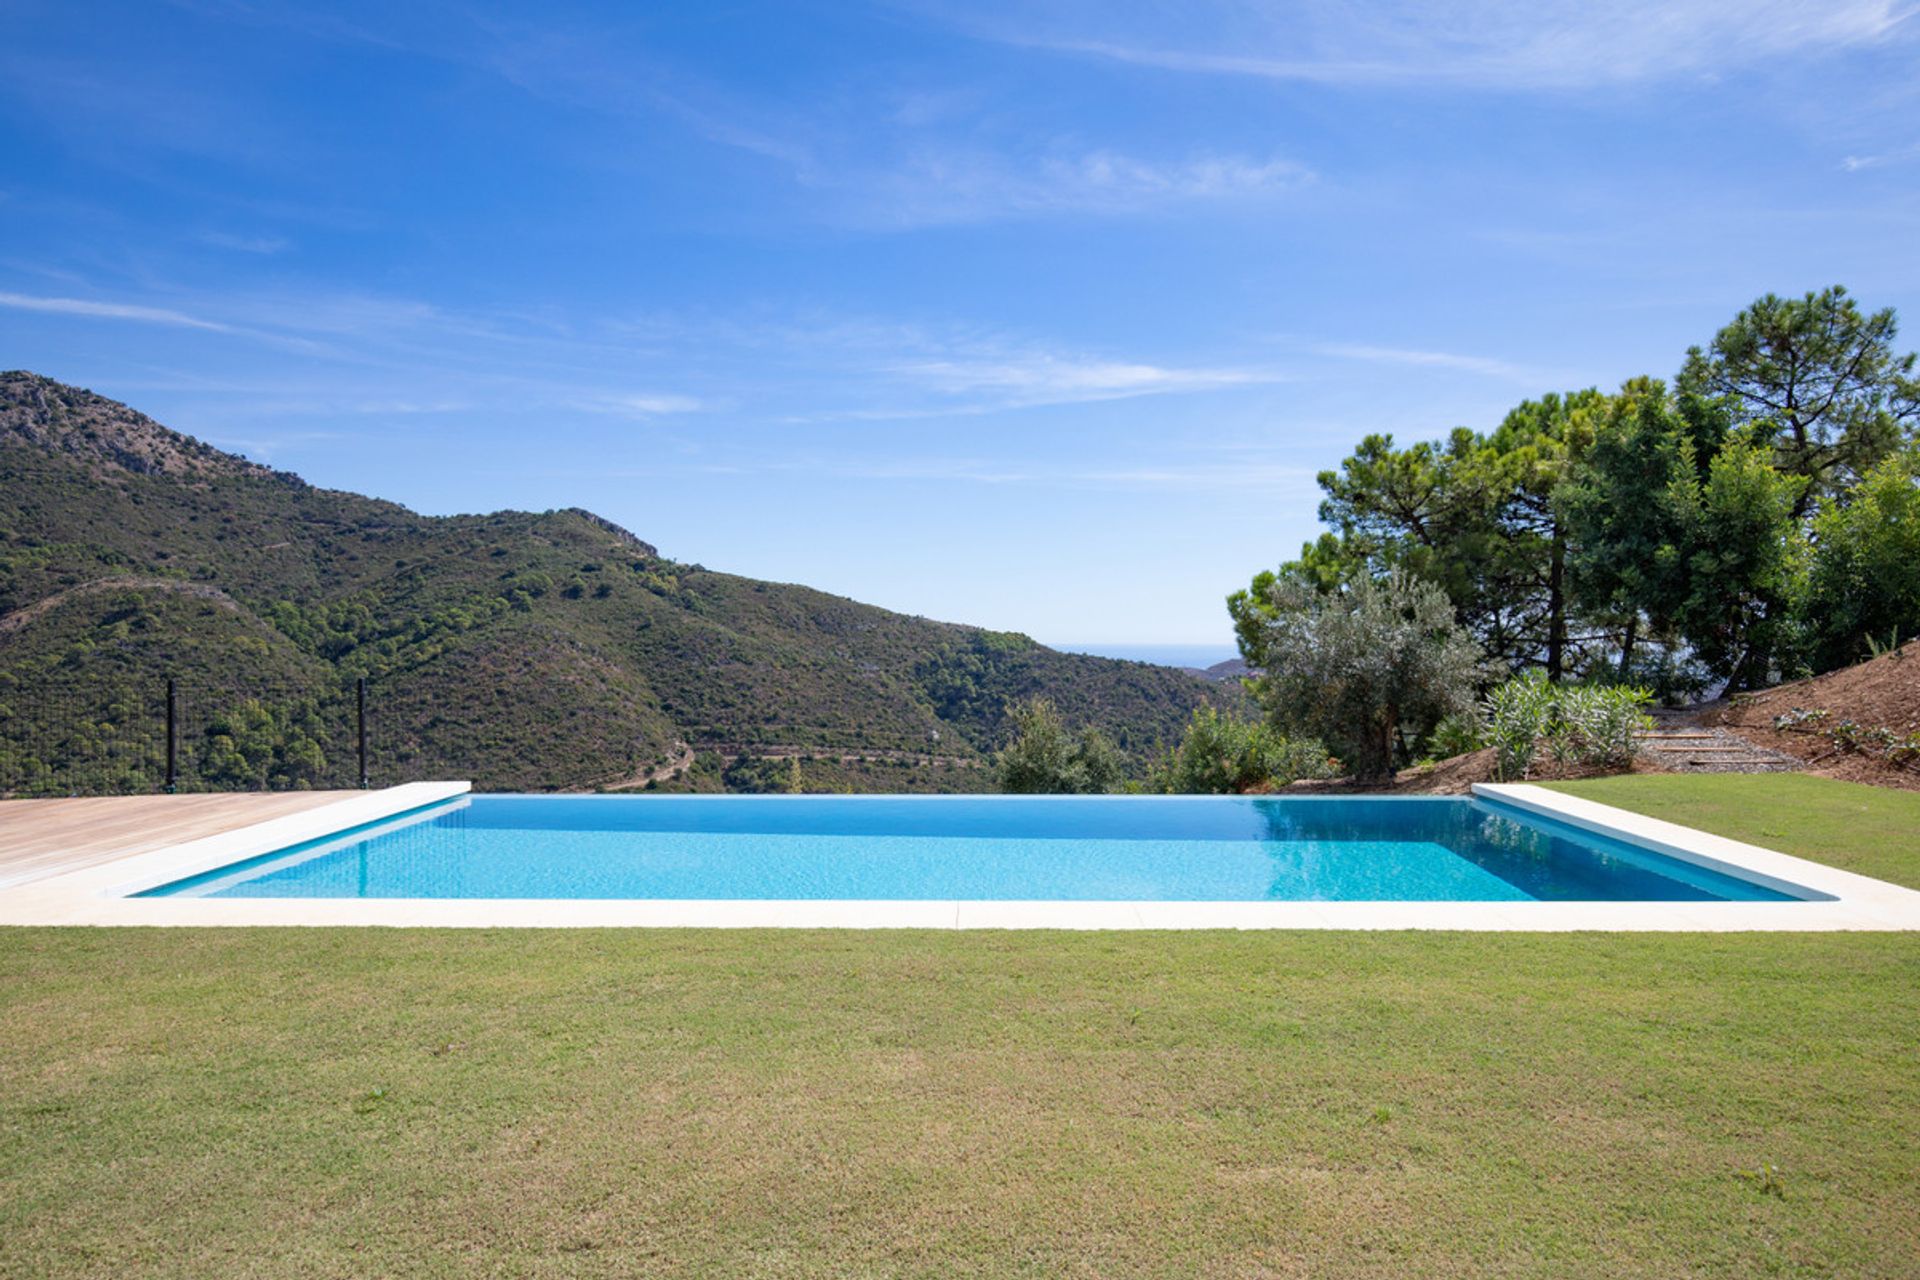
<point>1573,725</point>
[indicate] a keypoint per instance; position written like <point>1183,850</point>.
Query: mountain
<point>520,649</point>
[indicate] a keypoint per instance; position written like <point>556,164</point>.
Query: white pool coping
<point>100,895</point>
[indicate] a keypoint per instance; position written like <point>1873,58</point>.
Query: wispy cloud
<point>262,245</point>
<point>897,169</point>
<point>939,185</point>
<point>1044,377</point>
<point>1151,474</point>
<point>1549,44</point>
<point>1882,160</point>
<point>641,405</point>
<point>263,448</point>
<point>111,311</point>
<point>397,356</point>
<point>923,160</point>
<point>1483,365</point>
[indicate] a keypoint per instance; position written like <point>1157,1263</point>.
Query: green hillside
<point>523,650</point>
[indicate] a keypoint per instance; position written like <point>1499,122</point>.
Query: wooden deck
<point>41,838</point>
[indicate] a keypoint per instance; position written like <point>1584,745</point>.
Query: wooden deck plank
<point>41,838</point>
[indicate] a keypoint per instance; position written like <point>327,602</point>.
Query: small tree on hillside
<point>1046,758</point>
<point>1743,558</point>
<point>1226,755</point>
<point>1357,665</point>
<point>1622,506</point>
<point>1864,582</point>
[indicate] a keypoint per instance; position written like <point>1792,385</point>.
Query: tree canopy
<point>1815,379</point>
<point>1756,519</point>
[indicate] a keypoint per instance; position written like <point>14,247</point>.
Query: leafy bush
<point>1046,758</point>
<point>1576,724</point>
<point>1226,755</point>
<point>1456,735</point>
<point>1517,716</point>
<point>1863,585</point>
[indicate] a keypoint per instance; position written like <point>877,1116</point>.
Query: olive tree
<point>1357,665</point>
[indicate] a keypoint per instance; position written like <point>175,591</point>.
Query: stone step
<point>1698,744</point>
<point>1723,753</point>
<point>1692,748</point>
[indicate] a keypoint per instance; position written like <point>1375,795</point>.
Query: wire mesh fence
<point>134,736</point>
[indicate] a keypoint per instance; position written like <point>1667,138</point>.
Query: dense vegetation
<point>526,650</point>
<point>1046,758</point>
<point>1224,754</point>
<point>1757,519</point>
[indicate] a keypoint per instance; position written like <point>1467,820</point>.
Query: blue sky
<point>1035,316</point>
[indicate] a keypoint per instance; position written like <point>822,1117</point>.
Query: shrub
<point>1457,734</point>
<point>1046,758</point>
<point>1577,724</point>
<point>1518,714</point>
<point>1863,585</point>
<point>1225,755</point>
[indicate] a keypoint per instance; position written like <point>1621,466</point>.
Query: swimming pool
<point>984,849</point>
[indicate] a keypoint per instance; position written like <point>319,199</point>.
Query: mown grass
<point>1872,830</point>
<point>376,1102</point>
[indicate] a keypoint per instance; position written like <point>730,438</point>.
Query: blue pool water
<point>1193,849</point>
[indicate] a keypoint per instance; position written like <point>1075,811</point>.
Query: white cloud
<point>1150,475</point>
<point>934,186</point>
<point>1042,377</point>
<point>110,311</point>
<point>262,245</point>
<point>1483,365</point>
<point>911,370</point>
<point>265,448</point>
<point>415,358</point>
<point>385,408</point>
<point>1537,44</point>
<point>641,405</point>
<point>1881,160</point>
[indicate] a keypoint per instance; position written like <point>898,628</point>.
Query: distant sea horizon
<point>1167,655</point>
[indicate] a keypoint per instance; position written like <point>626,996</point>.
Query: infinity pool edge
<point>97,896</point>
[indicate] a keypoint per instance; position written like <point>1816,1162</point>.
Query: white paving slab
<point>1831,899</point>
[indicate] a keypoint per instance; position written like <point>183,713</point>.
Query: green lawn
<point>1872,830</point>
<point>370,1102</point>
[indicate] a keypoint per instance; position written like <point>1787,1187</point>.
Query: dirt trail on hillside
<point>27,613</point>
<point>677,764</point>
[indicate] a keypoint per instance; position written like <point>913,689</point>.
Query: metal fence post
<point>173,735</point>
<point>360,692</point>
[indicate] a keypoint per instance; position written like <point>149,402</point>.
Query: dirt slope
<point>1882,693</point>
